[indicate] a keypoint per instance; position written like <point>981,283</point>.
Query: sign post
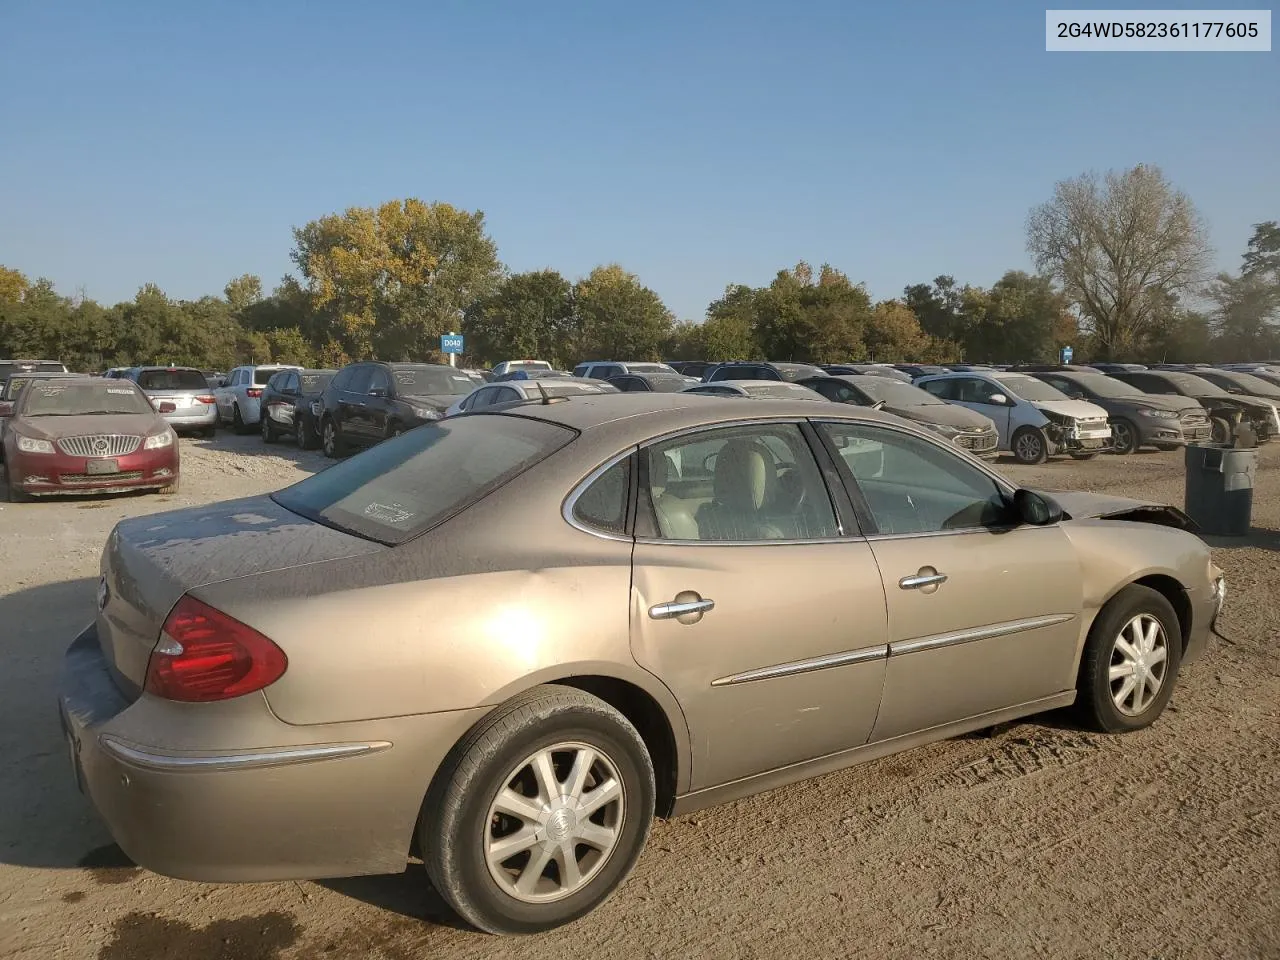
<point>1067,354</point>
<point>451,345</point>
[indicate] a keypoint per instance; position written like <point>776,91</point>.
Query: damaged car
<point>707,599</point>
<point>1035,421</point>
<point>1225,408</point>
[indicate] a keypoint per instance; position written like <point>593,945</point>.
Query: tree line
<point>1120,261</point>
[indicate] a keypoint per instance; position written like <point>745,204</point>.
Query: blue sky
<point>698,144</point>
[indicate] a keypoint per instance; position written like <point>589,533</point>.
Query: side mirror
<point>878,405</point>
<point>999,399</point>
<point>1036,509</point>
<point>377,391</point>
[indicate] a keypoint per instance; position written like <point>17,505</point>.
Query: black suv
<point>289,404</point>
<point>369,401</point>
<point>760,370</point>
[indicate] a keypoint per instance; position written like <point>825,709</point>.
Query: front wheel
<point>1030,446</point>
<point>331,439</point>
<point>1130,661</point>
<point>304,433</point>
<point>1124,436</point>
<point>237,421</point>
<point>539,814</point>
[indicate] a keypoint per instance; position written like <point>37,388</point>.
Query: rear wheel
<point>237,421</point>
<point>539,814</point>
<point>1124,436</point>
<point>268,429</point>
<point>331,439</point>
<point>304,433</point>
<point>1130,661</point>
<point>1030,445</point>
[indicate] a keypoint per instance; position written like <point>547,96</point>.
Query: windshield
<point>15,385</point>
<point>1193,386</point>
<point>315,382</point>
<point>404,486</point>
<point>1248,383</point>
<point>172,380</point>
<point>514,365</point>
<point>668,384</point>
<point>67,398</point>
<point>1029,388</point>
<point>798,371</point>
<point>772,390</point>
<point>895,393</point>
<point>1104,386</point>
<point>431,381</point>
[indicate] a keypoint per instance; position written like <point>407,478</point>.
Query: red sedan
<point>87,435</point>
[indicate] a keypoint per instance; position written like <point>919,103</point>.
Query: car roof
<point>158,366</point>
<point>634,417</point>
<point>397,365</point>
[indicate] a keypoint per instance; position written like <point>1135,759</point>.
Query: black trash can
<point>1219,495</point>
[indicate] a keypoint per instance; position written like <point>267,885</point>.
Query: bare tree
<point>1121,245</point>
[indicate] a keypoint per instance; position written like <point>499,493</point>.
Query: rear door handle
<point>922,580</point>
<point>674,609</point>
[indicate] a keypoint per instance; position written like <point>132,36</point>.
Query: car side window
<point>581,369</point>
<point>359,382</point>
<point>603,505</point>
<point>736,484</point>
<point>943,389</point>
<point>378,380</point>
<point>912,485</point>
<point>507,394</point>
<point>973,390</point>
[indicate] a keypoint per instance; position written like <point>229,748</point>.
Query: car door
<point>984,396</point>
<point>223,395</point>
<point>765,621</point>
<point>984,614</point>
<point>289,392</point>
<point>353,403</point>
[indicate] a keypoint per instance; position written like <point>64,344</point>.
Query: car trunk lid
<point>150,562</point>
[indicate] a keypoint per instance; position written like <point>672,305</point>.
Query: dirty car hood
<point>1079,505</point>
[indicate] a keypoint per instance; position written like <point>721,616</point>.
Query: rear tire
<point>1124,436</point>
<point>237,422</point>
<point>304,433</point>
<point>268,431</point>
<point>331,439</point>
<point>1136,634</point>
<point>495,785</point>
<point>1030,446</point>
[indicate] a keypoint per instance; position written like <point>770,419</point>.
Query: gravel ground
<point>1036,840</point>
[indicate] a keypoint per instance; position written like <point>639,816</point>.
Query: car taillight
<point>205,655</point>
<point>254,392</point>
<point>207,398</point>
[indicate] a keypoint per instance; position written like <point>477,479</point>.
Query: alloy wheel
<point>1028,448</point>
<point>1122,437</point>
<point>330,439</point>
<point>555,822</point>
<point>1139,664</point>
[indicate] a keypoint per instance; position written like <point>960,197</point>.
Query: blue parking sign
<point>1067,354</point>
<point>451,343</point>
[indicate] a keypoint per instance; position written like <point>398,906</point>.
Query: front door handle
<point>922,579</point>
<point>680,608</point>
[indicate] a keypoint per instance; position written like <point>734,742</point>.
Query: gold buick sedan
<point>508,640</point>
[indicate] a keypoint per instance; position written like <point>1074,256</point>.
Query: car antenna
<point>546,397</point>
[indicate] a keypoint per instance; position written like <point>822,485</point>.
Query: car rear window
<point>407,485</point>
<point>315,382</point>
<point>261,376</point>
<point>172,380</point>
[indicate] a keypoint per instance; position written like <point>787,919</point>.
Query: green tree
<point>616,317</point>
<point>893,334</point>
<point>12,285</point>
<point>730,330</point>
<point>1018,319</point>
<point>938,308</point>
<point>1120,244</point>
<point>817,318</point>
<point>529,315</point>
<point>242,293</point>
<point>1263,254</point>
<point>388,281</point>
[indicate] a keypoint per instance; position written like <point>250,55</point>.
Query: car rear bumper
<point>193,418</point>
<point>58,473</point>
<point>226,792</point>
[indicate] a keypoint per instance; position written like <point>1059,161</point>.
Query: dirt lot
<point>1036,841</point>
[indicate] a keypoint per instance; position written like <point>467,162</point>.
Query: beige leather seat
<point>746,480</point>
<point>676,519</point>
